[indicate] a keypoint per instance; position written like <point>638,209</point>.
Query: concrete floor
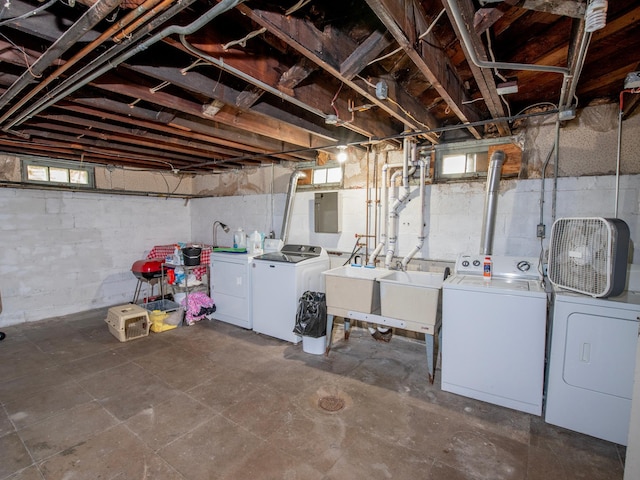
<point>213,401</point>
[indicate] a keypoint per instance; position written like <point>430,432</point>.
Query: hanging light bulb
<point>342,153</point>
<point>595,18</point>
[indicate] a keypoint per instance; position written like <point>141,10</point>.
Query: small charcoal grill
<point>146,271</point>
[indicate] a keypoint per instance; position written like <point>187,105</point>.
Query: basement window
<point>470,160</point>
<point>57,172</point>
<point>463,164</point>
<point>325,176</point>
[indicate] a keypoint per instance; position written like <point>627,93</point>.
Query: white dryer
<point>231,287</point>
<point>278,281</point>
<point>591,363</point>
<point>493,332</point>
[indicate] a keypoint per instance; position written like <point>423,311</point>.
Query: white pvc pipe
<point>384,206</point>
<point>421,235</point>
<point>383,215</point>
<point>392,236</point>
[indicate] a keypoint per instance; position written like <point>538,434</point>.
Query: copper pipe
<point>141,21</point>
<point>73,86</point>
<point>132,15</point>
<point>87,21</point>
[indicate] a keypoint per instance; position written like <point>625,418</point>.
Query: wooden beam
<point>364,53</point>
<point>252,122</point>
<point>190,128</point>
<point>406,20</point>
<point>328,49</point>
<point>265,69</point>
<point>563,8</point>
<point>269,115</point>
<point>294,75</point>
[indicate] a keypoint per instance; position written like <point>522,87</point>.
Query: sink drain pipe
<point>421,235</point>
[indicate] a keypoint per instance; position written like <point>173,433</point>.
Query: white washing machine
<point>494,332</point>
<point>278,281</point>
<point>592,358</point>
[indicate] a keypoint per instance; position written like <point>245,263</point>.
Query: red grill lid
<point>147,268</point>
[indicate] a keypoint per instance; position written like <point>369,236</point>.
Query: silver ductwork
<point>491,202</point>
<point>291,191</point>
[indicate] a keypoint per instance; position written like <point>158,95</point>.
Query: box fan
<point>589,255</point>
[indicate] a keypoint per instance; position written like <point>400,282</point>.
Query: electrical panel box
<point>327,212</point>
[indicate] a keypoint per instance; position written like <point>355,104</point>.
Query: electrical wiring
<point>28,14</point>
<point>356,248</point>
<point>493,58</point>
<point>334,99</point>
<point>24,54</point>
<point>408,114</point>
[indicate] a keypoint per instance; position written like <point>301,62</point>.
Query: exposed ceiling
<point>207,85</point>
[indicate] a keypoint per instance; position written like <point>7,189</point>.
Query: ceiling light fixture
<point>342,153</point>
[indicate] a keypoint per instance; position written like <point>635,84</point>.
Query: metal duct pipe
<point>491,202</point>
<point>86,22</point>
<point>291,191</point>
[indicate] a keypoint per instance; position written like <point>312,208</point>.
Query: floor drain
<point>331,403</point>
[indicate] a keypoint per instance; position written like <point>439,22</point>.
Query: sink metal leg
<point>431,356</point>
<point>347,328</point>
<point>433,347</point>
<point>329,334</point>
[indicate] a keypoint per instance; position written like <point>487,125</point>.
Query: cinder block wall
<point>68,252</point>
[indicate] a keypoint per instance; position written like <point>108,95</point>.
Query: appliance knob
<point>465,263</point>
<point>524,266</point>
<point>476,263</point>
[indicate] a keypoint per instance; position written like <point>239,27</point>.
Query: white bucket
<point>315,346</point>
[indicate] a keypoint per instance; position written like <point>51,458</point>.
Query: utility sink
<point>412,297</point>
<point>353,288</point>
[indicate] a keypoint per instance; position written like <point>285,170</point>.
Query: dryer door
<point>600,353</point>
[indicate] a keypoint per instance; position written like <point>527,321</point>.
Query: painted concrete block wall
<point>249,212</point>
<point>68,252</point>
<point>453,215</point>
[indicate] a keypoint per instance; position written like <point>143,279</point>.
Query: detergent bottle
<point>255,243</point>
<point>239,239</point>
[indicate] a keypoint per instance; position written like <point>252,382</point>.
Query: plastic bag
<point>311,318</point>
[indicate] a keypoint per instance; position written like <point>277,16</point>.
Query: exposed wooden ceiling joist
<point>282,81</point>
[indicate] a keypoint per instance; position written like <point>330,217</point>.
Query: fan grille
<point>580,255</point>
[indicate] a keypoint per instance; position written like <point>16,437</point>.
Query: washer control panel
<point>501,266</point>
